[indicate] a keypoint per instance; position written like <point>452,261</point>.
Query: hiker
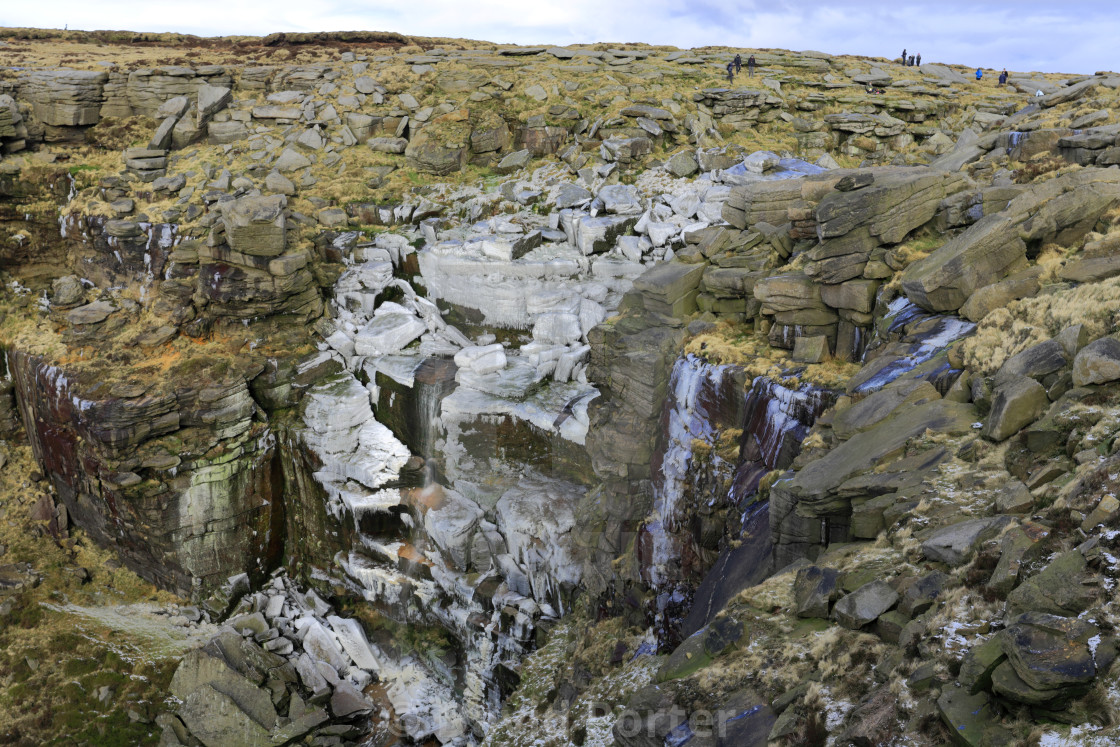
<point>738,64</point>
<point>904,58</point>
<point>750,66</point>
<point>911,60</point>
<point>731,72</point>
<point>1003,78</point>
<point>979,73</point>
<point>919,63</point>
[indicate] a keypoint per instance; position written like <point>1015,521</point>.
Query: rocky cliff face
<point>409,362</point>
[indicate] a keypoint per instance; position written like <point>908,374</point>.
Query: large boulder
<point>1018,402</point>
<point>956,543</point>
<point>813,591</point>
<point>256,225</point>
<point>388,333</point>
<point>1097,363</point>
<point>998,295</point>
<point>864,605</point>
<point>812,490</point>
<point>891,205</point>
<point>670,288</point>
<point>872,410</point>
<point>1037,361</point>
<point>1050,660</point>
<point>1062,210</point>
<point>1061,588</point>
<point>66,98</point>
<point>425,154</point>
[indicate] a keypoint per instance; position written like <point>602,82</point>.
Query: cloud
<point>1024,35</point>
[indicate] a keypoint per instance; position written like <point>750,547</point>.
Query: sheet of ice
<point>356,451</point>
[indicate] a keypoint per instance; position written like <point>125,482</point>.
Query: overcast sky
<point>1022,35</point>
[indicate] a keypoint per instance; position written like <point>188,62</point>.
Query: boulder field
<point>470,394</point>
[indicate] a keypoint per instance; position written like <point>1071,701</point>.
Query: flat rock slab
<point>971,718</point>
<point>812,485</point>
<point>388,334</point>
<point>215,719</point>
<point>91,313</point>
<point>872,410</point>
<point>955,544</point>
<point>670,281</point>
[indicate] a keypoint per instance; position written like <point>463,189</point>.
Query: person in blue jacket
<point>979,73</point>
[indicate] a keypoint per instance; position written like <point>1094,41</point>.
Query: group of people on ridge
<point>1002,76</point>
<point>736,65</point>
<point>912,60</point>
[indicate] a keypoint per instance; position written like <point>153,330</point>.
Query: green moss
<point>75,667</point>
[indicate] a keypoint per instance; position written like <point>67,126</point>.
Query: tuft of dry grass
<point>1007,331</point>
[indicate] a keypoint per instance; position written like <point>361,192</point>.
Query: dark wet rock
<point>921,595</point>
<point>737,568</point>
<point>1049,660</point>
<point>814,589</point>
<point>1037,362</point>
